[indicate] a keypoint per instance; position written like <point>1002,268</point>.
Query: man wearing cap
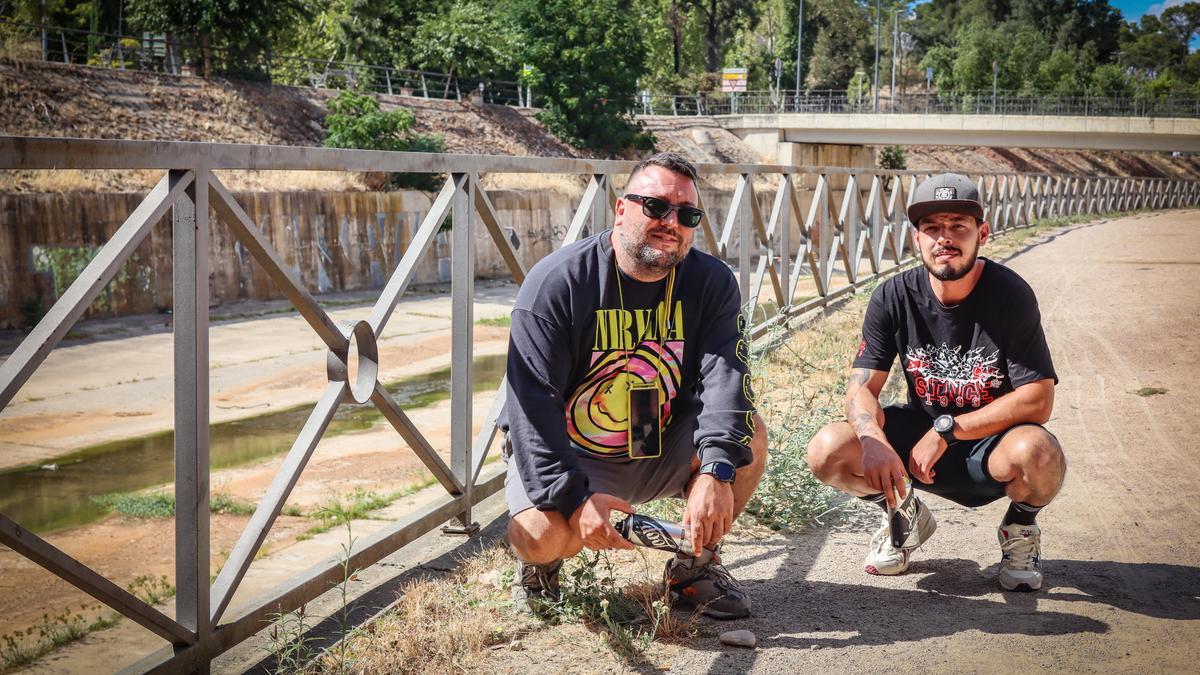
<point>628,381</point>
<point>980,386</point>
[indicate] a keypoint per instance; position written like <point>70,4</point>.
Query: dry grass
<point>439,625</point>
<point>571,185</point>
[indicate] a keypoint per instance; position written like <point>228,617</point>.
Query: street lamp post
<point>875,104</point>
<point>799,50</point>
<point>895,51</point>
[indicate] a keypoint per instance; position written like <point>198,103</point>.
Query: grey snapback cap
<point>945,192</point>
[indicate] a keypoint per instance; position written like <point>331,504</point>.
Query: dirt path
<point>1121,306</point>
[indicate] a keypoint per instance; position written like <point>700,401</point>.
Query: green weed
<point>500,321</point>
<point>150,589</point>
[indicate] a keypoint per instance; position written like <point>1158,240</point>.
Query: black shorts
<point>961,473</point>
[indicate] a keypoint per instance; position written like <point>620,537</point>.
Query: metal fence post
<point>190,314</point>
<point>745,239</point>
<point>462,328</point>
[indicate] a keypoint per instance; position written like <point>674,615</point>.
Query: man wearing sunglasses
<point>628,382</point>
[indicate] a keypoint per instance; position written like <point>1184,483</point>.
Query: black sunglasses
<point>653,207</point>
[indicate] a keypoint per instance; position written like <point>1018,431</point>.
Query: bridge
<point>797,239</point>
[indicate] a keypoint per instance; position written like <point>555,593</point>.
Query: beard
<point>650,258</point>
<point>948,272</point>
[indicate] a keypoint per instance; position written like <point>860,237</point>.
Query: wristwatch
<point>944,426</point>
<point>722,471</point>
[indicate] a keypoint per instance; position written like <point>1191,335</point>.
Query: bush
<point>356,122</point>
<point>892,157</point>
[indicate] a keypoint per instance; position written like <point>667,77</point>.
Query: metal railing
<point>978,103</point>
<point>825,233</point>
<point>158,53</point>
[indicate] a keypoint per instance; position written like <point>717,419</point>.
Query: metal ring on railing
<point>337,364</point>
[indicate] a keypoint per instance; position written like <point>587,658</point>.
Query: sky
<point>1134,9</point>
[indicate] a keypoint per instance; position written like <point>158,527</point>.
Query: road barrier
<point>828,230</point>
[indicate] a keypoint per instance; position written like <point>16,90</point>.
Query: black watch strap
<point>722,471</point>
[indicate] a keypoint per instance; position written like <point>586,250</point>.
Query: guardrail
<point>159,53</point>
<point>807,245</point>
<point>978,103</point>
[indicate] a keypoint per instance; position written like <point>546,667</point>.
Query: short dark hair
<point>667,160</point>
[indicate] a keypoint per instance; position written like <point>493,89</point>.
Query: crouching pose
<point>980,385</point>
<point>627,382</point>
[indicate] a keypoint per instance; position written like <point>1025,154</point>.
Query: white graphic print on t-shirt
<point>946,376</point>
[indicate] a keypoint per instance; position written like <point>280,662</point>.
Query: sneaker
<point>1021,557</point>
<point>535,586</point>
<point>704,583</point>
<point>887,560</point>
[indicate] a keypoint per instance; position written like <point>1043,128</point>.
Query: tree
<point>722,19</point>
<point>356,122</point>
<point>1183,21</point>
<point>465,38</point>
<point>841,44</point>
<point>1150,48</point>
<point>589,56</point>
<point>1110,79</point>
<point>236,23</point>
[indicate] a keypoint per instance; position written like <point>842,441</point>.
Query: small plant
<point>355,121</point>
<point>223,503</point>
<point>892,157</point>
<point>23,647</point>
<point>151,589</point>
<point>289,641</point>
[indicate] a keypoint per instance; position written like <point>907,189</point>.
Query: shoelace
<point>723,578</point>
<point>1021,552</point>
<point>537,576</point>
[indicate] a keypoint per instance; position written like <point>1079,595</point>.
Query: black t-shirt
<point>957,359</point>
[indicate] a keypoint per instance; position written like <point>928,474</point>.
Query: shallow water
<point>42,499</point>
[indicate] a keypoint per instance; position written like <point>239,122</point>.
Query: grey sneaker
<point>704,583</point>
<point>535,586</point>
<point>1020,557</point>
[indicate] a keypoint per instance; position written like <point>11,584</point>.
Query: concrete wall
<point>333,241</point>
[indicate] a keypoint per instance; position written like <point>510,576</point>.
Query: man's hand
<point>709,511</point>
<point>883,469</point>
<point>925,454</point>
<point>591,522</point>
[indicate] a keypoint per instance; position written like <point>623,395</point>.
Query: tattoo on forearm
<point>860,419</point>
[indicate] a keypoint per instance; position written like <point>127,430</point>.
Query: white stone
<point>739,638</point>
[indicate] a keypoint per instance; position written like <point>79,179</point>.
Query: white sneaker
<point>887,560</point>
<point>1021,557</point>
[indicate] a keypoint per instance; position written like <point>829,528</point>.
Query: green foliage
<point>236,24</point>
<point>721,20</point>
<point>162,504</point>
<point>228,505</point>
<point>355,121</point>
<point>841,44</point>
<point>155,505</point>
<point>590,57</point>
<point>892,157</point>
<point>22,647</point>
<point>465,37</point>
<point>151,589</point>
<point>1110,80</point>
